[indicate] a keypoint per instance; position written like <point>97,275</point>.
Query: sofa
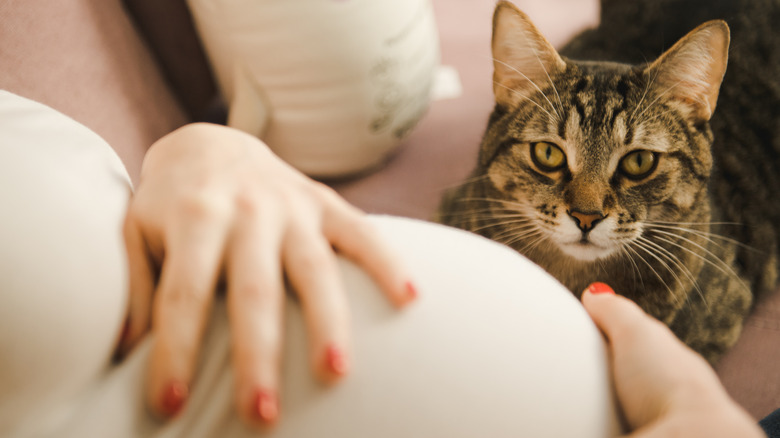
<point>134,70</point>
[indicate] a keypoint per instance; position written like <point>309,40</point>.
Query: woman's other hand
<point>663,387</point>
<point>216,204</point>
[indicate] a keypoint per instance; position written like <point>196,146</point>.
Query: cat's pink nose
<point>586,221</point>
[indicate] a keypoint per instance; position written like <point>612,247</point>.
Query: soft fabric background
<point>133,71</point>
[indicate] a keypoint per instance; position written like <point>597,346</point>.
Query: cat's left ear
<point>692,70</point>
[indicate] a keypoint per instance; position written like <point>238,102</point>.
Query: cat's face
<point>589,154</point>
<point>590,169</point>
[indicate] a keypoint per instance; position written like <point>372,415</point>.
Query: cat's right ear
<point>523,60</point>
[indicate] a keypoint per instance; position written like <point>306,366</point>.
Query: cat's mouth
<point>586,244</point>
<point>585,250</point>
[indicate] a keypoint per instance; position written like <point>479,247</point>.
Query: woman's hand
<point>215,204</point>
<point>664,388</point>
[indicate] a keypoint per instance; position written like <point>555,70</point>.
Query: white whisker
<point>649,265</point>
<point>467,181</point>
<point>657,99</point>
<point>727,271</point>
<point>502,224</point>
<point>649,250</point>
<point>647,88</point>
<point>528,99</point>
<point>704,234</point>
<point>552,84</point>
<point>532,83</point>
<point>679,265</point>
<point>625,249</point>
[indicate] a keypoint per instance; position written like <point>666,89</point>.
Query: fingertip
<point>357,238</point>
<point>613,314</point>
<point>336,362</point>
<point>598,300</point>
<point>169,399</point>
<point>411,293</point>
<point>267,407</point>
<point>263,411</point>
<point>173,398</point>
<point>332,363</point>
<point>169,374</point>
<point>599,288</point>
<point>257,401</point>
<point>404,295</point>
<point>596,292</point>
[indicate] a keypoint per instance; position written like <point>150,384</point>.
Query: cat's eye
<point>547,156</point>
<point>638,164</point>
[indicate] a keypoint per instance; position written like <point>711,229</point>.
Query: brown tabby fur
<point>694,241</point>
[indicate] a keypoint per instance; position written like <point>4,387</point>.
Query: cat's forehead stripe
<point>605,98</point>
<point>572,138</point>
<point>597,113</point>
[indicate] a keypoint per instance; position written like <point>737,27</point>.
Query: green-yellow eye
<point>638,164</point>
<point>547,156</point>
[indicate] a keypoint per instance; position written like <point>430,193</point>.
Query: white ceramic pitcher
<point>331,85</point>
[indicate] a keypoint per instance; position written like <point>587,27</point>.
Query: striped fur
<point>688,242</point>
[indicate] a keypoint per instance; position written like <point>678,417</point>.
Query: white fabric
<point>330,85</point>
<point>63,194</point>
<point>493,347</point>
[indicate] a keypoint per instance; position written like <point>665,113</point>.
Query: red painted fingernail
<point>600,288</point>
<point>411,291</point>
<point>174,396</point>
<point>266,406</point>
<point>335,361</point>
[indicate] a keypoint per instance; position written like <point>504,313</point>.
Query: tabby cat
<point>624,172</point>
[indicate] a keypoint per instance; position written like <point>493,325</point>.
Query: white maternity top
<point>493,347</point>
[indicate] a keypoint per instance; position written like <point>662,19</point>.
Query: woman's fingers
<point>639,339</point>
<point>350,232</point>
<point>311,269</point>
<point>255,305</point>
<point>664,388</point>
<point>650,365</point>
<point>268,221</point>
<point>618,316</point>
<point>181,308</point>
<point>141,276</point>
